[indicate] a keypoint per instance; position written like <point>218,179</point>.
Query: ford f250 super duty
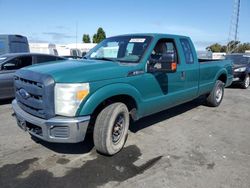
<point>122,78</point>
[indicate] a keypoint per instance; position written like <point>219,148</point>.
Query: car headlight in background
<point>242,69</point>
<point>68,97</point>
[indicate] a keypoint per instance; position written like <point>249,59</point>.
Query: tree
<point>214,47</point>
<point>86,38</point>
<point>232,47</point>
<point>99,36</point>
<point>243,47</point>
<point>94,38</point>
<point>223,48</point>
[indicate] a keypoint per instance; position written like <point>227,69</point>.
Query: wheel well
<point>223,78</point>
<point>126,99</point>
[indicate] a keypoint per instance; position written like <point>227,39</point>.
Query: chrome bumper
<point>57,129</point>
<point>236,79</point>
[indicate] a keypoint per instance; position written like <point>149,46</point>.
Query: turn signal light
<point>81,94</point>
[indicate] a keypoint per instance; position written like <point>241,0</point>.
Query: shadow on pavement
<point>93,173</point>
<point>78,148</point>
<point>5,101</point>
<point>236,86</point>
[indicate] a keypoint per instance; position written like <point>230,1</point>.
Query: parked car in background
<point>13,44</point>
<point>241,69</point>
<point>9,63</point>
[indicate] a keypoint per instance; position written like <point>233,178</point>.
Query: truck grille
<point>35,93</point>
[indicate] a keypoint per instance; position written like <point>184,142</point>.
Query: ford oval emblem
<point>24,93</point>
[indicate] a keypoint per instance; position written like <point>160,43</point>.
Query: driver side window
<point>163,47</point>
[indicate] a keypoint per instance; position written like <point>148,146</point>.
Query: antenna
<point>233,31</point>
<point>76,33</point>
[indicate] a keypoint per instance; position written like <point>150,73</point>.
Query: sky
<point>62,22</point>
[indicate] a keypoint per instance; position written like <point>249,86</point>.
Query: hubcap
<point>247,82</point>
<point>118,128</point>
<point>219,93</point>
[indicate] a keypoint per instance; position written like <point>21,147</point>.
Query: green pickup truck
<point>123,78</point>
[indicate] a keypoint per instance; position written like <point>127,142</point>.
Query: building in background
<point>76,50</point>
<point>218,55</point>
<point>83,47</point>
<point>43,48</point>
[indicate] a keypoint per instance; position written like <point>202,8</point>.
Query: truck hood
<point>79,71</point>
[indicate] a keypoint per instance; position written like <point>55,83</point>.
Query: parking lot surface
<point>191,145</point>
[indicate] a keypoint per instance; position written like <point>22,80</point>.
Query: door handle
<point>183,75</point>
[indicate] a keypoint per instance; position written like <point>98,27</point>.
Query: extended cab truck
<point>123,77</point>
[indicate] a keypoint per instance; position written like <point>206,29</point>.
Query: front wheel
<point>111,128</point>
<point>215,97</point>
<point>246,82</point>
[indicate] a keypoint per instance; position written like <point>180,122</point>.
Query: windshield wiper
<point>105,59</point>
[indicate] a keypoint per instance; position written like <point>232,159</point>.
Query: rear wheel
<point>215,97</point>
<point>111,128</point>
<point>246,82</point>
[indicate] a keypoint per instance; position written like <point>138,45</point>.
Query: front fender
<point>88,107</point>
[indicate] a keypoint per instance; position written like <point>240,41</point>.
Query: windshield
<point>2,58</point>
<point>239,59</point>
<point>122,48</point>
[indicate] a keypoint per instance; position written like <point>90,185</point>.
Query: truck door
<point>165,90</point>
<point>191,64</point>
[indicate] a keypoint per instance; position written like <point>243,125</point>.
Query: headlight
<point>243,69</point>
<point>68,97</point>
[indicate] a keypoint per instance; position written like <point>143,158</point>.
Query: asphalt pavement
<point>191,145</point>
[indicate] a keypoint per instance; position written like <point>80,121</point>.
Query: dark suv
<point>9,63</point>
<point>241,69</point>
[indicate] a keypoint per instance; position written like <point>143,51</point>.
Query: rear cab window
<point>187,50</point>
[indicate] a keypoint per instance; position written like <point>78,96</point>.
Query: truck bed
<point>208,73</point>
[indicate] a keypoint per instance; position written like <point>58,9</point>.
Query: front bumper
<point>57,129</point>
<point>239,76</point>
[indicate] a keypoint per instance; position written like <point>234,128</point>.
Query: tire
<point>111,129</point>
<point>215,97</point>
<point>246,82</point>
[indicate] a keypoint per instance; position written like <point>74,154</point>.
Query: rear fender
<point>221,72</point>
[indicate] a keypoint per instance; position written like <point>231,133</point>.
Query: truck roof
<point>153,35</point>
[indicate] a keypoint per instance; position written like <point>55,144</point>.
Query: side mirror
<point>165,63</point>
<point>9,66</point>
